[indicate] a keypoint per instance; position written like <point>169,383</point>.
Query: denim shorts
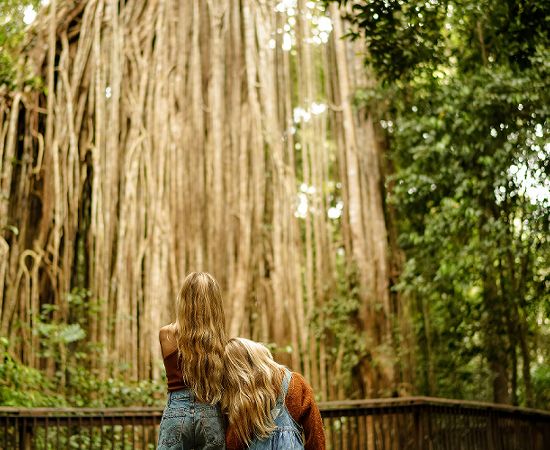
<point>187,424</point>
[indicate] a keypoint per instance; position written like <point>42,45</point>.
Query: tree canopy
<point>464,99</point>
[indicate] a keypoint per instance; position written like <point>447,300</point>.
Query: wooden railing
<point>412,423</point>
<point>423,423</point>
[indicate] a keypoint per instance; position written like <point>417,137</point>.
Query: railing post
<point>418,426</point>
<point>491,432</point>
<point>24,435</point>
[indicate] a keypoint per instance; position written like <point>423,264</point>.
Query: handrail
<point>429,401</point>
<point>329,405</point>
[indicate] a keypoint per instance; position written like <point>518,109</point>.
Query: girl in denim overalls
<point>267,406</point>
<point>192,349</point>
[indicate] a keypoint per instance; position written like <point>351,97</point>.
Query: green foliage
<point>12,31</point>
<point>88,390</point>
<point>406,39</point>
<point>465,104</point>
<point>23,386</point>
<point>57,332</point>
<point>346,344</point>
<point>541,384</point>
<point>400,35</point>
<point>466,151</point>
<point>75,382</point>
<point>93,438</point>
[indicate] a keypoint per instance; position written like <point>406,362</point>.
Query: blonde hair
<point>252,382</point>
<point>200,335</point>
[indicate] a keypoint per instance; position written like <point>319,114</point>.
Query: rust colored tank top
<point>173,372</point>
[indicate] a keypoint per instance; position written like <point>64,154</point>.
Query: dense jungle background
<point>369,182</point>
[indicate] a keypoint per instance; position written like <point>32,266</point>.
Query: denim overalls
<point>288,435</point>
<point>187,424</point>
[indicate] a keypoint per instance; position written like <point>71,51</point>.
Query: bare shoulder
<point>167,338</point>
<point>167,330</point>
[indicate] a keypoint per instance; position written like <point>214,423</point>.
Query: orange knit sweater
<point>303,409</point>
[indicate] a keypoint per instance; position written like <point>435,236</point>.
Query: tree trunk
<point>170,144</point>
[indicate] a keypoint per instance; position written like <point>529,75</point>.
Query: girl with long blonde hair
<point>192,348</point>
<point>267,406</point>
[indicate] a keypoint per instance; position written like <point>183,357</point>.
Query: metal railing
<point>412,423</point>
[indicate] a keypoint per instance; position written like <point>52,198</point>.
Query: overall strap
<point>284,386</point>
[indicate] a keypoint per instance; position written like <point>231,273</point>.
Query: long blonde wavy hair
<point>252,382</point>
<point>200,335</point>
